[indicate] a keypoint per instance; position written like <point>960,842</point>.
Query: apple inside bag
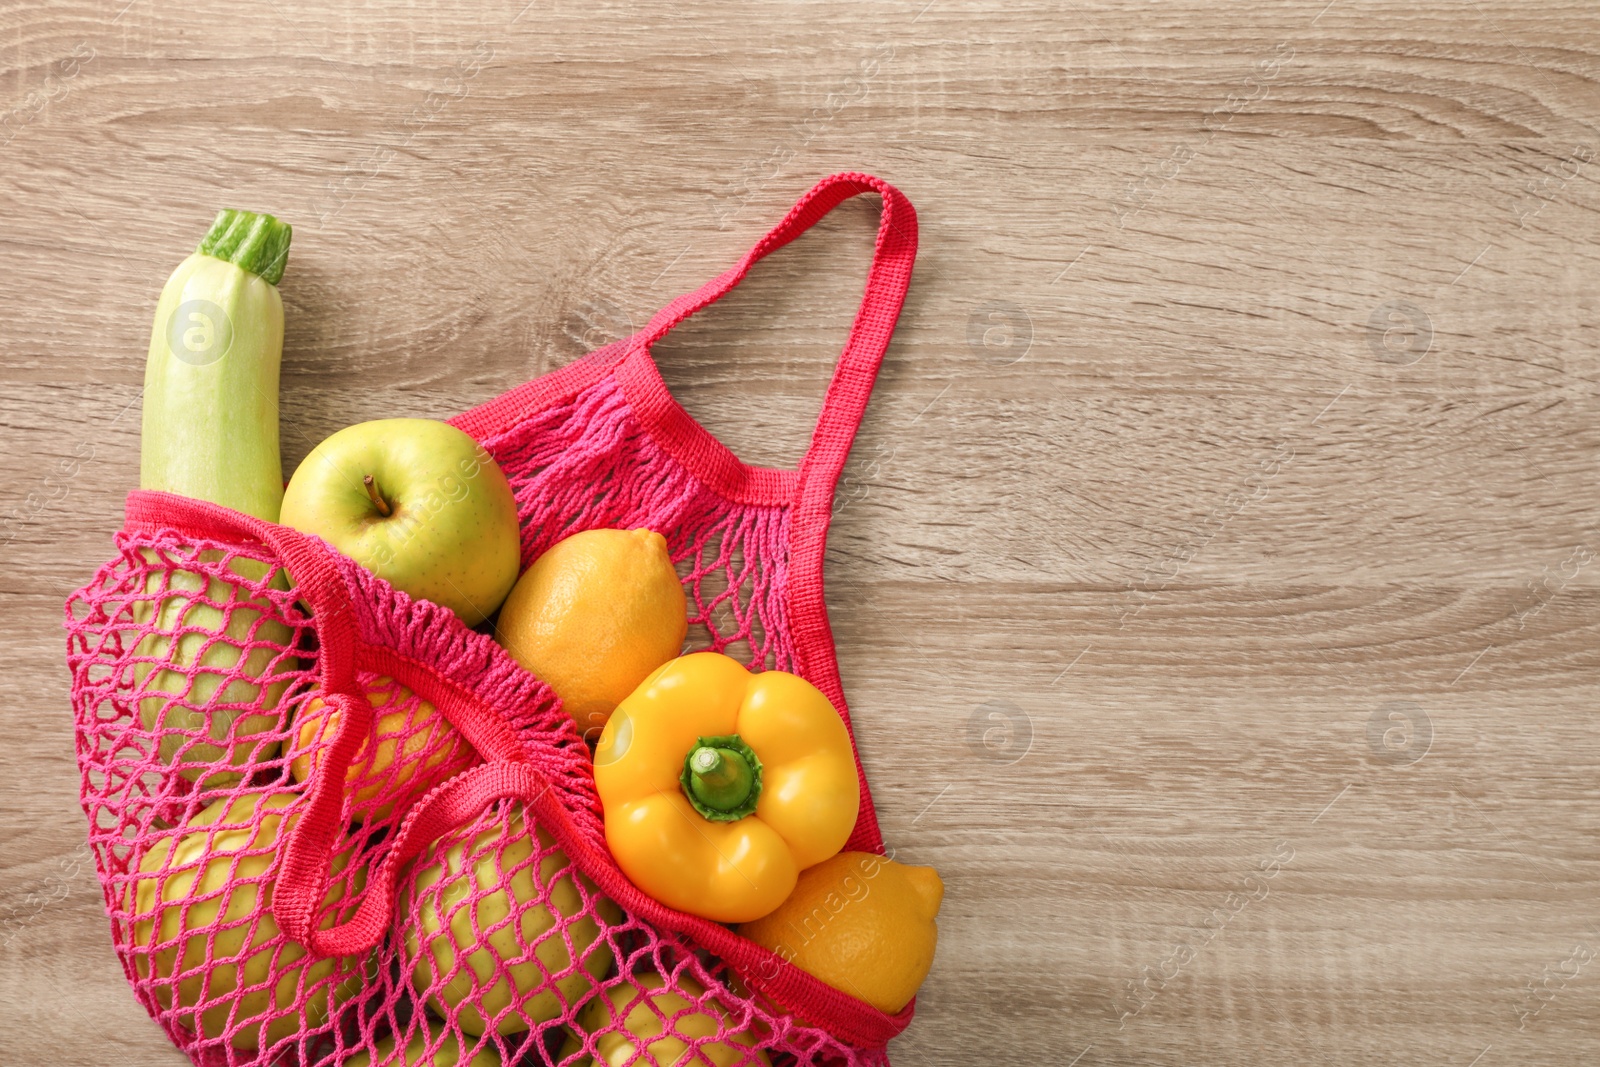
<point>420,504</point>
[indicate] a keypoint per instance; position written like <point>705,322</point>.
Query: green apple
<point>418,503</point>
<point>205,938</point>
<point>492,925</point>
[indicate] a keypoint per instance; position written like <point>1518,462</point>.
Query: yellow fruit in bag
<point>652,1029</point>
<point>413,748</point>
<point>862,923</point>
<point>594,616</point>
<point>448,1054</point>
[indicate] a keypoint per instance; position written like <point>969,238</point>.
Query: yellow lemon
<point>645,1032</point>
<point>507,949</point>
<point>594,616</point>
<point>861,923</point>
<point>411,737</point>
<point>203,928</point>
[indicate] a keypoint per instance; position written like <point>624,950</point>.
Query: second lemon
<point>594,616</point>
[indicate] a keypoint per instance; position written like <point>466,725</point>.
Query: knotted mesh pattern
<point>514,955</point>
<point>188,662</point>
<point>200,728</point>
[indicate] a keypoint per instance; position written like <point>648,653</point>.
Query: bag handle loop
<point>888,280</point>
<point>448,806</point>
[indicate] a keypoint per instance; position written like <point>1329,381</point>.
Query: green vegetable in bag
<point>211,432</point>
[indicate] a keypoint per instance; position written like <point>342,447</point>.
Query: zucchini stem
<point>250,241</point>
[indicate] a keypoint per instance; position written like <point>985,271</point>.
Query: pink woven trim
<point>691,444</point>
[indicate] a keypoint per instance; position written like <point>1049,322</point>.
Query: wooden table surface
<point>1213,574</point>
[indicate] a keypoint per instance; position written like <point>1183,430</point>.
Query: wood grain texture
<point>1213,578</point>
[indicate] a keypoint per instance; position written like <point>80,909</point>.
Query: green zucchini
<point>211,432</point>
<point>211,380</point>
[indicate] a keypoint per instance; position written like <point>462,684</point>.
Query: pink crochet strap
<point>307,854</point>
<point>887,283</point>
<point>843,406</point>
<point>897,238</point>
<point>451,805</point>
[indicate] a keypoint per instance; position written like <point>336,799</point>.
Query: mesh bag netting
<point>335,826</point>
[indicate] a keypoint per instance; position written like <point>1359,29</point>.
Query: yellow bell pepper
<point>720,785</point>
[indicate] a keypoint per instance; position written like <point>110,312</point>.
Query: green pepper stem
<point>250,241</point>
<point>722,778</point>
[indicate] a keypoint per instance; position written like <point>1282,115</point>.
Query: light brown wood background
<point>1215,580</point>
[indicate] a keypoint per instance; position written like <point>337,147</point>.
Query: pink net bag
<point>335,826</point>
